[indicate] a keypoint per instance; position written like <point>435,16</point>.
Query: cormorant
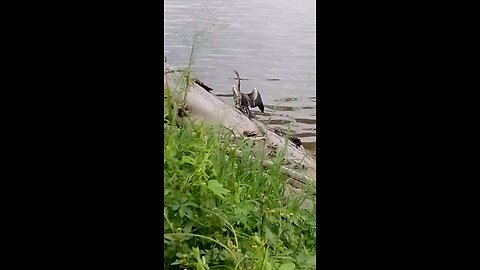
<point>243,102</point>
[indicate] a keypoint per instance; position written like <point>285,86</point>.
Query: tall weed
<point>225,211</point>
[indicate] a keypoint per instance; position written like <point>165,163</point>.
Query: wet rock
<point>296,140</point>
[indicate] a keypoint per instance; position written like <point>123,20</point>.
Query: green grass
<point>225,211</point>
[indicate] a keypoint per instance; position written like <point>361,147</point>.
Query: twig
<point>203,85</point>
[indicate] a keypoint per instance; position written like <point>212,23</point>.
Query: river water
<point>271,43</point>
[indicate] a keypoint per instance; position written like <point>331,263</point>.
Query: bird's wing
<point>246,100</point>
<point>256,99</point>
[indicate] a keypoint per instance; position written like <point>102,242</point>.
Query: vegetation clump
<point>223,209</point>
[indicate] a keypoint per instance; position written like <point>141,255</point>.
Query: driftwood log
<point>205,107</point>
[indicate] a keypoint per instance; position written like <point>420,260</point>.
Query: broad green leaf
<point>209,203</point>
<point>268,265</point>
<point>189,212</point>
<point>176,262</point>
<point>199,266</point>
<point>311,260</point>
<point>257,240</point>
<point>188,227</point>
<point>270,236</point>
<point>242,210</point>
<point>189,160</point>
<point>258,255</point>
<point>217,188</point>
<point>287,266</point>
<point>182,211</point>
<point>175,206</point>
<point>168,236</point>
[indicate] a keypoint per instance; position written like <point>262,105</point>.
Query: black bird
<point>243,102</point>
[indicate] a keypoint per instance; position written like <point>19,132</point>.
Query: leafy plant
<point>225,211</point>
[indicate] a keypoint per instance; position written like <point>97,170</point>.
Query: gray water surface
<point>270,43</point>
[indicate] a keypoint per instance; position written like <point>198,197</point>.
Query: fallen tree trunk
<point>205,107</point>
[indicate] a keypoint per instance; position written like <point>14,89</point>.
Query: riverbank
<point>226,211</point>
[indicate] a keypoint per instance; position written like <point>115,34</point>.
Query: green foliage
<point>224,211</point>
